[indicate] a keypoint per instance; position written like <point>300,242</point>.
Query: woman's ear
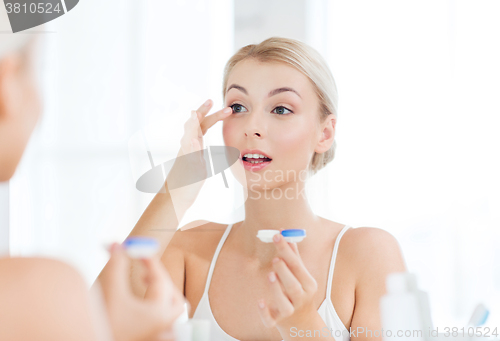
<point>327,134</point>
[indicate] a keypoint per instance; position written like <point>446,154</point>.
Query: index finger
<point>293,245</point>
<point>159,281</point>
<point>294,248</point>
<point>203,110</point>
<point>119,266</point>
<point>209,121</point>
<point>294,263</point>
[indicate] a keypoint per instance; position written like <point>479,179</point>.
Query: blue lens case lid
<point>141,241</point>
<point>293,233</point>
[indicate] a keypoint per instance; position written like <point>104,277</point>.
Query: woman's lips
<point>254,167</point>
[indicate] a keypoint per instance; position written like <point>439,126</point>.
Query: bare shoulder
<point>25,275</point>
<point>48,295</point>
<point>197,239</point>
<point>373,249</point>
<point>197,236</point>
<point>367,239</point>
<point>15,269</point>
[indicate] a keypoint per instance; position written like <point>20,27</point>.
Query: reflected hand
<point>131,317</point>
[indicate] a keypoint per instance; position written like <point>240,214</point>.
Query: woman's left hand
<point>292,287</point>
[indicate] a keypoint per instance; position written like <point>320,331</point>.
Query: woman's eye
<point>236,107</point>
<point>281,110</point>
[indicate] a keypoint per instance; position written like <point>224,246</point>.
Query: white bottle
<point>425,309</point>
<point>404,310</point>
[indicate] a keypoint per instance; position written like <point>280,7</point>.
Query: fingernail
<point>227,110</point>
<point>277,237</point>
<point>207,103</point>
<point>261,304</point>
<point>272,277</point>
<point>194,115</point>
<point>276,260</point>
<point>114,247</point>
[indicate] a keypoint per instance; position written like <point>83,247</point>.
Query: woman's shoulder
<point>366,246</point>
<point>35,266</point>
<point>371,246</point>
<point>367,239</point>
<point>357,237</point>
<point>23,274</point>
<point>199,236</point>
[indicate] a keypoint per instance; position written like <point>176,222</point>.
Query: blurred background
<point>417,131</point>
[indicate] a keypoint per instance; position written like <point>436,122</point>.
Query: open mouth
<point>255,160</point>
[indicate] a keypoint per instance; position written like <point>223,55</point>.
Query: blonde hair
<point>306,60</point>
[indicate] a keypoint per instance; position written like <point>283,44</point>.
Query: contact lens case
<point>141,247</point>
<point>294,235</point>
<point>290,235</point>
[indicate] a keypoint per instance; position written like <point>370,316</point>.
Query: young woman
<point>281,104</point>
<point>45,299</point>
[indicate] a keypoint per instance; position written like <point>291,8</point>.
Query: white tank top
<point>326,310</point>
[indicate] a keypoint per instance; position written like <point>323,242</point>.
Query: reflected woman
<point>47,299</point>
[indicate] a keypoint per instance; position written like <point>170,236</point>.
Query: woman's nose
<point>255,133</point>
<point>254,125</point>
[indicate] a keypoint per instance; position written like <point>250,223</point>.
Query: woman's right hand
<point>190,165</point>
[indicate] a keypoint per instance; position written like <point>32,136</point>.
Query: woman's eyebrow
<point>279,90</point>
<point>239,87</point>
<point>271,93</point>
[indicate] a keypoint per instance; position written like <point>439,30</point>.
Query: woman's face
<point>276,111</point>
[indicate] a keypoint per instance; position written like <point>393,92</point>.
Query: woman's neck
<point>269,210</point>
